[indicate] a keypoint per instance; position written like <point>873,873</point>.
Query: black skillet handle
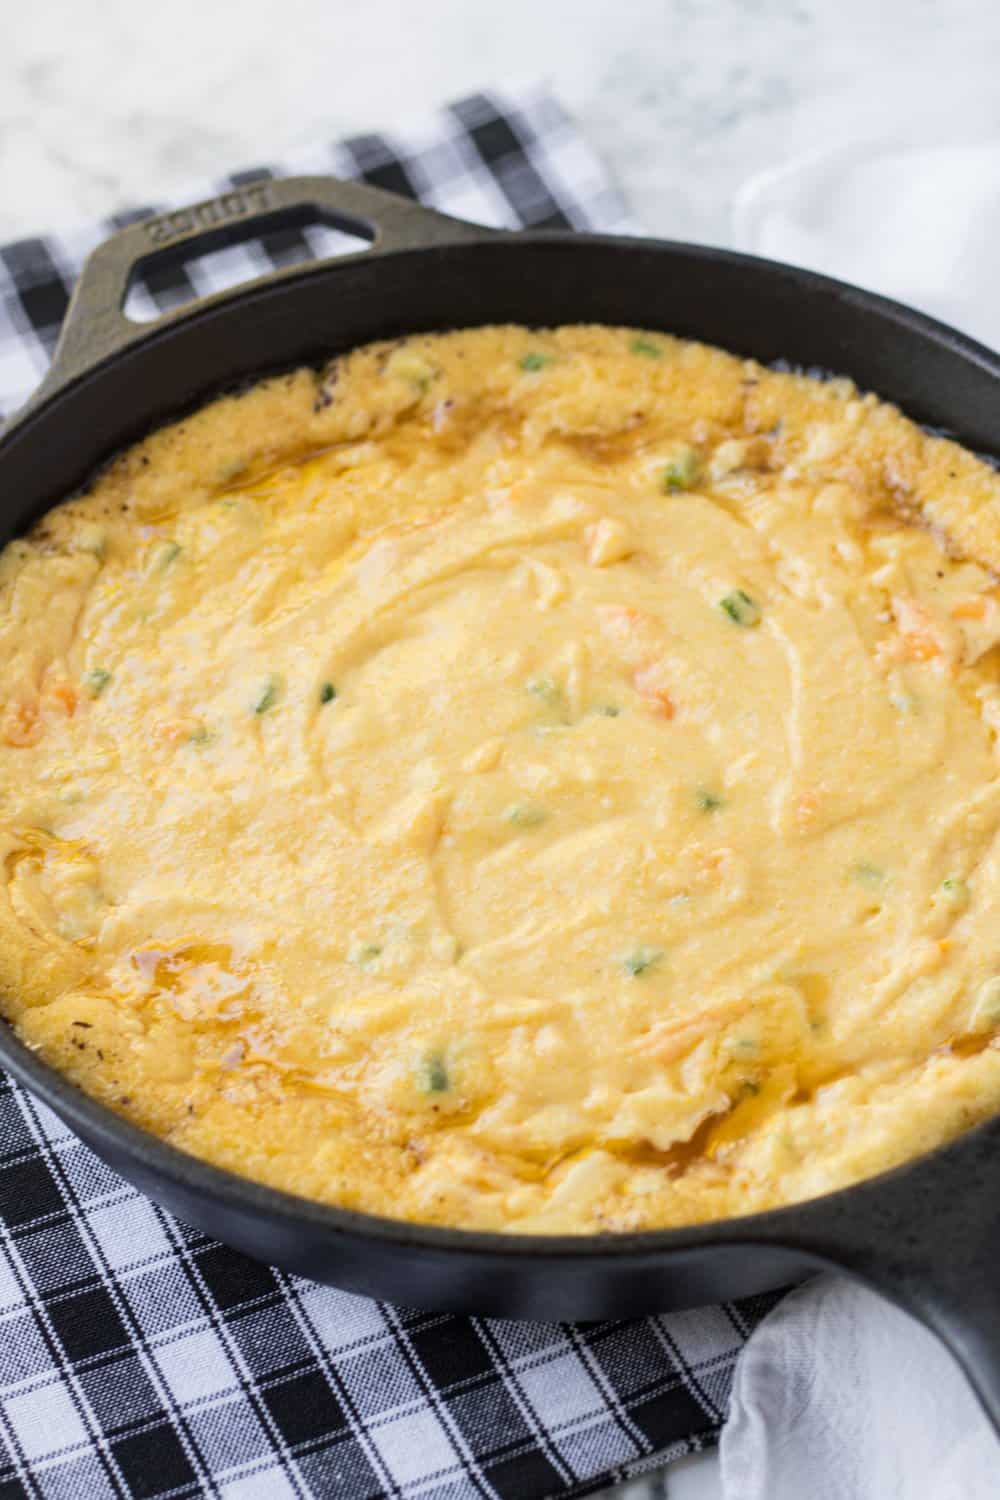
<point>928,1238</point>
<point>95,326</point>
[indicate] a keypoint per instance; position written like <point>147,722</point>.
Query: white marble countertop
<point>101,106</point>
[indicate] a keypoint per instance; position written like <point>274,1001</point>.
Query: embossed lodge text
<point>215,211</point>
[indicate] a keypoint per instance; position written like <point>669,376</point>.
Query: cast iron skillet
<point>926,1235</point>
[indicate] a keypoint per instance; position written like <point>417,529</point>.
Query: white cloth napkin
<point>919,223</point>
<point>838,1395</point>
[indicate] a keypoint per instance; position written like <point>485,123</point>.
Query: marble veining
<point>102,105</point>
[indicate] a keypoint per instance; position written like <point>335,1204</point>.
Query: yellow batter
<point>524,780</point>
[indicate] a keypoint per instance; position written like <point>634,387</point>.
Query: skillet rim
<point>107,1132</point>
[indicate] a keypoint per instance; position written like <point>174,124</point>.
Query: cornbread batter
<point>535,780</point>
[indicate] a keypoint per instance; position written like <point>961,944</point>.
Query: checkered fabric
<point>140,1359</point>
<point>510,161</point>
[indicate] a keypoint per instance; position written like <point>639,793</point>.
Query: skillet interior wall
<point>750,307</point>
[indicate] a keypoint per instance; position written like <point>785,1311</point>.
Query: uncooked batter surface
<point>536,780</point>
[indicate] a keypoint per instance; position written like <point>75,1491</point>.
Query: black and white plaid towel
<point>138,1358</point>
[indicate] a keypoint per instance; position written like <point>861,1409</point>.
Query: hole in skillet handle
<point>230,253</point>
